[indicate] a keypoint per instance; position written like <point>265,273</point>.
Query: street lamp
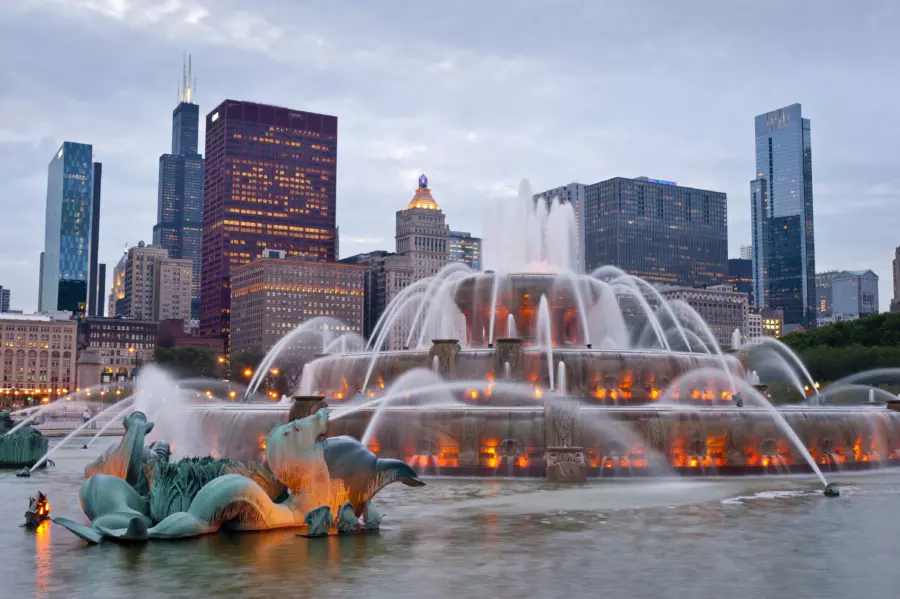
<point>248,372</point>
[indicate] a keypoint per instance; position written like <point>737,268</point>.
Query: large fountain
<point>531,368</point>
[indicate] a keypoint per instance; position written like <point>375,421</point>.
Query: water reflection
<point>504,538</point>
<point>42,560</point>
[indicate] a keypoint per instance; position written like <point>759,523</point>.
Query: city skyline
<point>387,139</point>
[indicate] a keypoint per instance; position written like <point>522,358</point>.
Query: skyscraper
<point>895,301</point>
<point>179,211</point>
<point>172,284</point>
<point>95,284</point>
<point>740,276</point>
<point>116,305</point>
<point>101,289</point>
<point>422,233</point>
<point>657,230</point>
<point>386,276</point>
<point>4,299</point>
<point>466,249</point>
<point>823,295</point>
<point>784,257</point>
<point>140,268</point>
<point>68,231</point>
<point>269,183</point>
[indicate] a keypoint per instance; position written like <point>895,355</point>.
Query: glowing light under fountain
<point>533,369</point>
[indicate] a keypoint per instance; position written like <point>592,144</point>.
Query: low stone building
<point>723,309</point>
<point>38,356</point>
<point>112,350</point>
<point>272,296</point>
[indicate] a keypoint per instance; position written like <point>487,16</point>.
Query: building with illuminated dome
<point>423,234</point>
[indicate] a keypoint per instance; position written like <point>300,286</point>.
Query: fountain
<point>530,368</point>
<point>133,493</point>
<point>21,445</point>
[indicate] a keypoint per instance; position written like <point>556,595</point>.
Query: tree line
<point>837,350</point>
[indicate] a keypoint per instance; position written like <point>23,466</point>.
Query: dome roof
<point>422,198</point>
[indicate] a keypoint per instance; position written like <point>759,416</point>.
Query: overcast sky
<point>475,94</point>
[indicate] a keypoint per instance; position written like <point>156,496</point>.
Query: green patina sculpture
<point>23,448</point>
<point>134,494</point>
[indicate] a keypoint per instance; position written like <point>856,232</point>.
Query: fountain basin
<point>621,441</point>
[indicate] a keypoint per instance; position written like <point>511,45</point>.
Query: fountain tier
<point>612,441</point>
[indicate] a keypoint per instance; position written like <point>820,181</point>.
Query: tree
<point>188,361</point>
<point>837,350</point>
<point>876,330</point>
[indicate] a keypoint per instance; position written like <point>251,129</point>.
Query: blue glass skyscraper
<point>68,229</point>
<point>784,258</point>
<point>179,214</point>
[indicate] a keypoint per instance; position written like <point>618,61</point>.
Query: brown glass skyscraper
<point>269,183</point>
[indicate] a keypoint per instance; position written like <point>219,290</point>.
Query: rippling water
<point>755,538</point>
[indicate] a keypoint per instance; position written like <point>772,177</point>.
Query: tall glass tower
<point>784,257</point>
<point>179,212</point>
<point>68,229</point>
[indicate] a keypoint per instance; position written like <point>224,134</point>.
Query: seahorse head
<point>292,450</point>
<point>126,460</point>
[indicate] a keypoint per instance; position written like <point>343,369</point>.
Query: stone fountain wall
<point>609,377</point>
<point>576,440</point>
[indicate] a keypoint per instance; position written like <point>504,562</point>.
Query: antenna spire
<point>188,83</point>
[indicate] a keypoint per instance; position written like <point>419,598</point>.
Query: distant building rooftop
<point>42,317</point>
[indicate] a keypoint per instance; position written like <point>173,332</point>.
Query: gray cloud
<point>475,94</point>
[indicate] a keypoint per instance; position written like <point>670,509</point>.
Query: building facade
<point>754,330</point>
<point>784,262</point>
<point>746,252</point>
<point>772,322</point>
<point>173,289</point>
<point>269,181</point>
<point>723,310</point>
<point>386,276</point>
<point>182,333</point>
<point>101,290</point>
<point>179,214</point>
<point>823,295</point>
<point>4,299</point>
<point>854,294</point>
<point>895,300</point>
<point>38,355</point>
<point>270,297</point>
<point>740,276</point>
<point>572,194</point>
<point>466,249</point>
<point>140,267</point>
<point>68,268</point>
<point>664,233</point>
<point>116,305</point>
<point>96,278</point>
<point>422,233</point>
<point>113,349</point>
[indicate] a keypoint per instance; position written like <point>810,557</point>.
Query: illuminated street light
<point>248,372</point>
